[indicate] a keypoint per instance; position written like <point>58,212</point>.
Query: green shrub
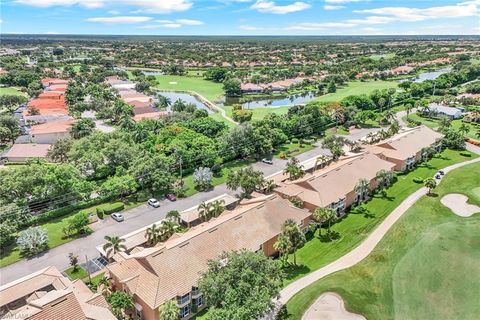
<point>465,154</point>
<point>100,213</point>
<point>418,180</point>
<point>113,207</point>
<point>294,140</point>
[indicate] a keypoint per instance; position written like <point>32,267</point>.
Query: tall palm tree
<point>381,103</point>
<point>173,215</point>
<point>283,246</point>
<point>384,178</point>
<point>361,189</point>
<point>325,215</point>
<point>114,245</point>
<point>169,310</point>
<point>292,231</point>
<point>153,234</point>
<point>268,185</point>
<point>168,228</point>
<point>294,169</point>
<point>464,129</point>
<point>204,210</point>
<point>217,207</point>
<point>320,160</point>
<point>408,108</point>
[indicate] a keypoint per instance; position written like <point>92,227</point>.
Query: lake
<point>431,75</point>
<point>188,98</point>
<point>274,102</point>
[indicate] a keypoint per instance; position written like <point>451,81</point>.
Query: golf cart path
<point>365,248</point>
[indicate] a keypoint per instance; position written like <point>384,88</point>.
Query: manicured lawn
<point>426,267</point>
<point>10,91</point>
<point>259,113</point>
<point>221,178</point>
<point>356,88</point>
<point>218,116</point>
<point>96,279</point>
<point>210,90</point>
<point>356,226</point>
<point>55,239</point>
<point>433,123</point>
<point>293,149</point>
<point>380,56</point>
<point>80,273</point>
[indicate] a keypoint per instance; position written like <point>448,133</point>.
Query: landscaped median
<point>426,267</point>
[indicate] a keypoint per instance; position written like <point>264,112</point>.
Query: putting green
<point>448,287</point>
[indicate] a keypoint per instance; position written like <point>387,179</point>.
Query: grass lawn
<point>10,91</point>
<point>210,90</point>
<point>259,113</point>
<point>377,57</point>
<point>218,116</point>
<point>96,279</point>
<point>221,178</point>
<point>293,149</point>
<point>80,273</point>
<point>356,88</point>
<point>433,123</point>
<point>426,267</point>
<point>356,226</point>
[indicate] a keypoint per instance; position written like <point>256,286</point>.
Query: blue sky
<point>241,17</point>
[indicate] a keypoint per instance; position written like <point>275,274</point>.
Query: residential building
<point>440,110</point>
<point>334,185</point>
<point>171,270</point>
<point>191,217</point>
<point>48,295</point>
<point>50,132</point>
<point>406,148</point>
<point>21,152</point>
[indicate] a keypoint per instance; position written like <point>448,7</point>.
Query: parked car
<point>171,197</point>
<point>267,161</point>
<point>153,202</point>
<point>117,217</point>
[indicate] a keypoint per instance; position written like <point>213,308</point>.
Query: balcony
<point>181,301</point>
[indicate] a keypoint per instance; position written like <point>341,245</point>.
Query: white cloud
<point>189,22</point>
<point>312,26</point>
<point>1,21</point>
<point>266,6</point>
<point>371,20</point>
<point>420,14</point>
<point>250,28</point>
<point>153,6</point>
<point>342,1</point>
<point>114,12</point>
<point>330,7</point>
<point>119,19</point>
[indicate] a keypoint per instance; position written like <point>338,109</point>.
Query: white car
<point>154,203</point>
<point>267,161</point>
<point>117,217</point>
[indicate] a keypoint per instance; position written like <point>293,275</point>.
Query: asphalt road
<point>134,219</point>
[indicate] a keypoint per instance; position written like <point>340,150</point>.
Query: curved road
<point>365,248</point>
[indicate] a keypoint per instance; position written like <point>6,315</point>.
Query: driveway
<point>134,219</point>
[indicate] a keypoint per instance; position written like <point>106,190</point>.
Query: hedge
<point>114,207</point>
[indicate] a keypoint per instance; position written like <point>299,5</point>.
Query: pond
<point>273,102</point>
<point>431,75</point>
<point>188,98</point>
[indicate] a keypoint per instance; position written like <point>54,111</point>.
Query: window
<point>200,301</point>
<point>183,299</point>
<point>195,291</point>
<point>184,311</point>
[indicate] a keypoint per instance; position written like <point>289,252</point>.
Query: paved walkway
<point>365,248</point>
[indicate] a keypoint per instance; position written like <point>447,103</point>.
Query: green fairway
<point>356,88</point>
<point>11,91</point>
<point>426,267</point>
<point>210,90</point>
<point>434,123</point>
<point>259,113</point>
<point>377,57</point>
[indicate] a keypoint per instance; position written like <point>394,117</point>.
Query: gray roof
<point>451,111</point>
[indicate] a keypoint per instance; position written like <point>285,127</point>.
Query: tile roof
<point>52,127</point>
<point>161,273</point>
<point>328,185</point>
<point>28,150</point>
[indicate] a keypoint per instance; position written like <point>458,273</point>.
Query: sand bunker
<point>172,82</point>
<point>458,204</point>
<point>330,306</point>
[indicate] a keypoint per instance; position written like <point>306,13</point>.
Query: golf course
<point>426,266</point>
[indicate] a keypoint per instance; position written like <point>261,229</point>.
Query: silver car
<point>117,217</point>
<point>153,202</point>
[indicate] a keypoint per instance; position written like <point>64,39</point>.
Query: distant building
<point>440,110</point>
<point>48,295</point>
<point>21,152</point>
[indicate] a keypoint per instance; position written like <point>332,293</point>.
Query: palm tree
<point>204,211</point>
<point>153,234</point>
<point>320,160</point>
<point>408,108</point>
<point>323,215</point>
<point>361,189</point>
<point>444,123</point>
<point>114,245</point>
<point>295,235</point>
<point>425,109</point>
<point>168,228</point>
<point>268,185</point>
<point>173,215</point>
<point>430,183</point>
<point>394,127</point>
<point>381,103</point>
<point>464,129</point>
<point>283,246</point>
<point>384,178</point>
<point>294,169</point>
<point>217,207</point>
<point>164,102</point>
<point>169,310</point>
